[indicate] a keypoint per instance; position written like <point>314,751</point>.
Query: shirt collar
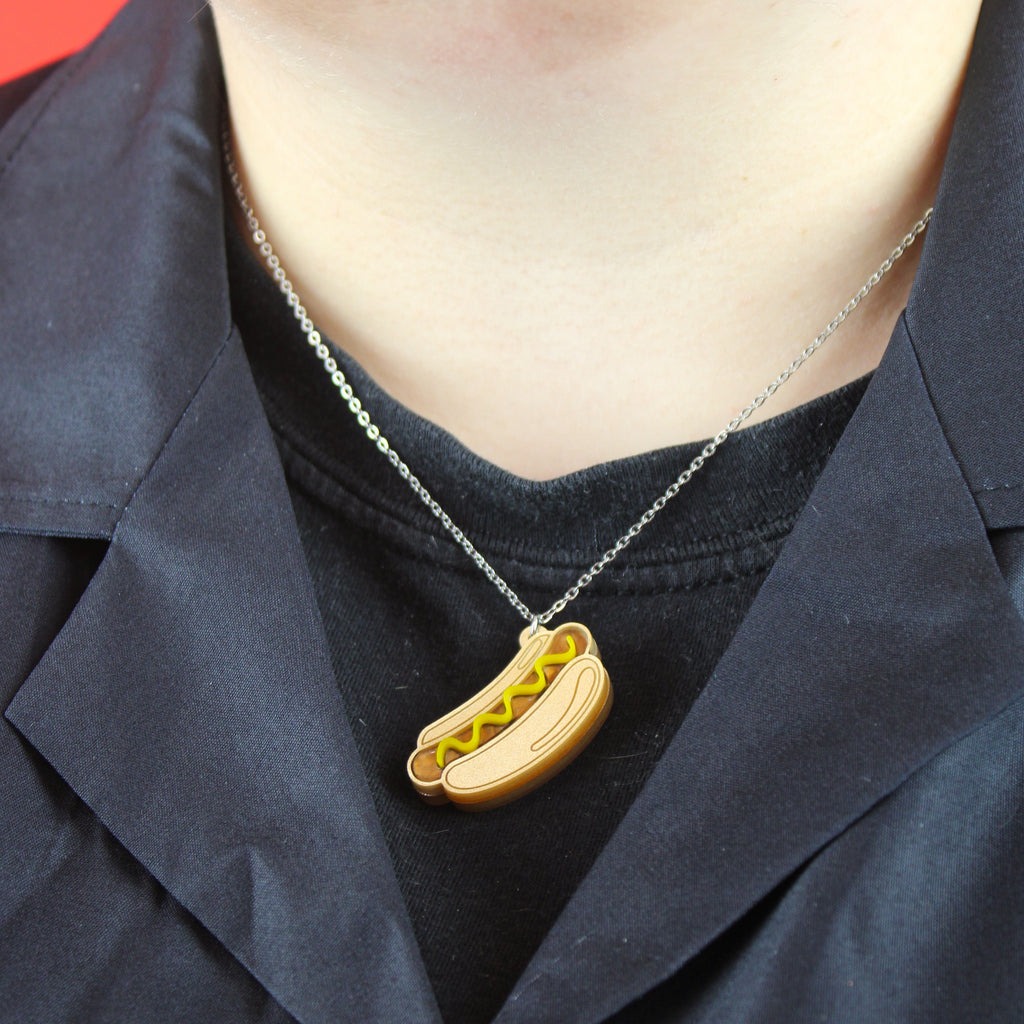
<point>115,300</point>
<point>966,310</point>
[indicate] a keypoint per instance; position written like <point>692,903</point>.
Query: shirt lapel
<point>189,700</point>
<point>885,631</point>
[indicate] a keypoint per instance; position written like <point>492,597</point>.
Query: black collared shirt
<point>833,830</point>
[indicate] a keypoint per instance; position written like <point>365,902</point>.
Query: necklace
<point>546,705</point>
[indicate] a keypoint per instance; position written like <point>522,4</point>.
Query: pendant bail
<point>534,625</point>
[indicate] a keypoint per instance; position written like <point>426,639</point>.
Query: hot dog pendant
<point>522,728</point>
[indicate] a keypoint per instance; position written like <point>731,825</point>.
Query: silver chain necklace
<point>466,763</point>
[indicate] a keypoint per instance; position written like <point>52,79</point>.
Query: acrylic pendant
<point>522,728</point>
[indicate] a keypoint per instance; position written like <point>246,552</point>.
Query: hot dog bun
<point>567,658</point>
<point>536,746</point>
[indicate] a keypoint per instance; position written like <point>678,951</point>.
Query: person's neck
<point>569,233</point>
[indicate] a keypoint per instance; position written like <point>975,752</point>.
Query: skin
<point>574,231</point>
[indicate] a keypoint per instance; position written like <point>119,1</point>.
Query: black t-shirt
<point>414,628</point>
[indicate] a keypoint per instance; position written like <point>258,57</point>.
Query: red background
<point>34,32</point>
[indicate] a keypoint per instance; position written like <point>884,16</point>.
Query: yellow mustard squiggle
<point>503,718</point>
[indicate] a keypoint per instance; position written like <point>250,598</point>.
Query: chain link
<point>371,430</point>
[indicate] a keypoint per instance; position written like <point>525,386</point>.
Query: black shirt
<point>414,627</point>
